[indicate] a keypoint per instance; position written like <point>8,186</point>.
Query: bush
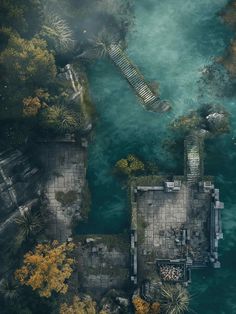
<point>59,119</point>
<point>130,165</point>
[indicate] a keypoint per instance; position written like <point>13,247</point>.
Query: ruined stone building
<point>176,222</point>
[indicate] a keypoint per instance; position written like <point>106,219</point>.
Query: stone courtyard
<point>176,221</point>
<point>103,263</point>
<point>162,215</point>
<point>64,165</point>
<point>171,220</point>
<point>175,227</point>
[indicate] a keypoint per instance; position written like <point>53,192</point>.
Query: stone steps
<point>133,76</point>
<point>193,159</point>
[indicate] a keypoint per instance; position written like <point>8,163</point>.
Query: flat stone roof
<point>172,226</point>
<point>166,214</point>
<point>103,263</point>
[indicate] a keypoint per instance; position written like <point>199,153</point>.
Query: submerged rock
<point>159,106</point>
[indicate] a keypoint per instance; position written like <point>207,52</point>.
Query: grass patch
<point>119,242</point>
<point>142,225</point>
<point>86,201</point>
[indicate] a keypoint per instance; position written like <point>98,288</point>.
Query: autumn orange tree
<point>47,268</point>
<point>155,308</point>
<point>32,105</point>
<point>143,307</point>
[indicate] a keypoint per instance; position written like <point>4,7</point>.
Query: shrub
<point>130,165</point>
<point>59,119</point>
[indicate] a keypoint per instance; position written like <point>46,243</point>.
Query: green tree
<point>26,65</point>
<point>24,16</point>
<point>27,62</point>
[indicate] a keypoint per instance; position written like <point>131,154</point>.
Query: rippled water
<point>171,42</point>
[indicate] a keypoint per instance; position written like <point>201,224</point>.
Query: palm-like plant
<point>102,41</point>
<point>57,32</point>
<point>60,119</point>
<point>8,288</point>
<point>29,223</point>
<point>174,299</point>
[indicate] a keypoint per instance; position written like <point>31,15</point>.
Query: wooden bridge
<point>150,99</point>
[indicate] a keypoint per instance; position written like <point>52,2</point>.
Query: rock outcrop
<point>18,182</point>
<point>18,189</point>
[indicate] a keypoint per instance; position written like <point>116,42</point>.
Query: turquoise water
<point>171,42</point>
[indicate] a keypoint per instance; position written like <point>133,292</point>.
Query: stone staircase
<point>193,159</point>
<point>136,80</point>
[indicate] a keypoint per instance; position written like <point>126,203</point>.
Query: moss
<point>66,199</point>
<point>87,111</point>
<point>120,242</point>
<point>114,272</point>
<point>187,123</point>
<point>142,225</point>
<point>228,14</point>
<point>147,180</point>
<point>208,178</point>
<point>86,202</point>
<point>57,174</point>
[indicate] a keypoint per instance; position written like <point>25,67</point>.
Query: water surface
<point>171,42</point>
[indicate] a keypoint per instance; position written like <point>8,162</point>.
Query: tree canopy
<point>26,66</point>
<point>24,16</point>
<point>130,165</point>
<point>27,61</point>
<point>78,306</point>
<point>143,307</point>
<point>47,268</point>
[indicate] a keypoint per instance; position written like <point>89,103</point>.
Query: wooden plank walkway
<point>136,80</point>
